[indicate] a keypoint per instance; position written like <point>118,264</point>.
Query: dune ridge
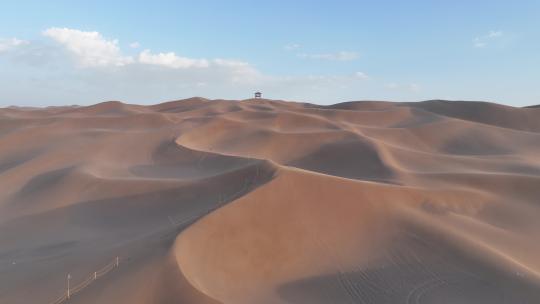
<point>357,202</point>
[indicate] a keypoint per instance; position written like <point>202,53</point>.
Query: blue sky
<point>83,52</point>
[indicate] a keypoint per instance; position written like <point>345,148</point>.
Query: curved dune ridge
<point>265,201</point>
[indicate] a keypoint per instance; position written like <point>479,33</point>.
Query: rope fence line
<point>72,290</point>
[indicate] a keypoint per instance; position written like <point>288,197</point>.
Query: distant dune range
<point>263,201</point>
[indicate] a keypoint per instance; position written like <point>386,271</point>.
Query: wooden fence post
<point>68,279</point>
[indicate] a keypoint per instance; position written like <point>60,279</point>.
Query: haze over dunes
<point>265,201</point>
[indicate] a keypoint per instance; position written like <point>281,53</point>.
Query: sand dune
<point>264,201</point>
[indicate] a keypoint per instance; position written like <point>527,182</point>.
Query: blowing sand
<point>261,201</point>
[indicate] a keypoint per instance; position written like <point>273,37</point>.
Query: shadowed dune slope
<point>266,201</point>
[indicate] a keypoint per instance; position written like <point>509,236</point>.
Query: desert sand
<point>263,201</point>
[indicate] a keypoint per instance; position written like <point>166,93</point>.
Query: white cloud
<point>135,45</point>
<point>90,49</point>
<point>361,75</point>
<point>339,56</point>
<point>230,63</point>
<point>493,34</point>
<point>171,60</point>
<point>237,71</point>
<point>8,44</point>
<point>484,40</point>
<point>478,44</point>
<point>291,46</point>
